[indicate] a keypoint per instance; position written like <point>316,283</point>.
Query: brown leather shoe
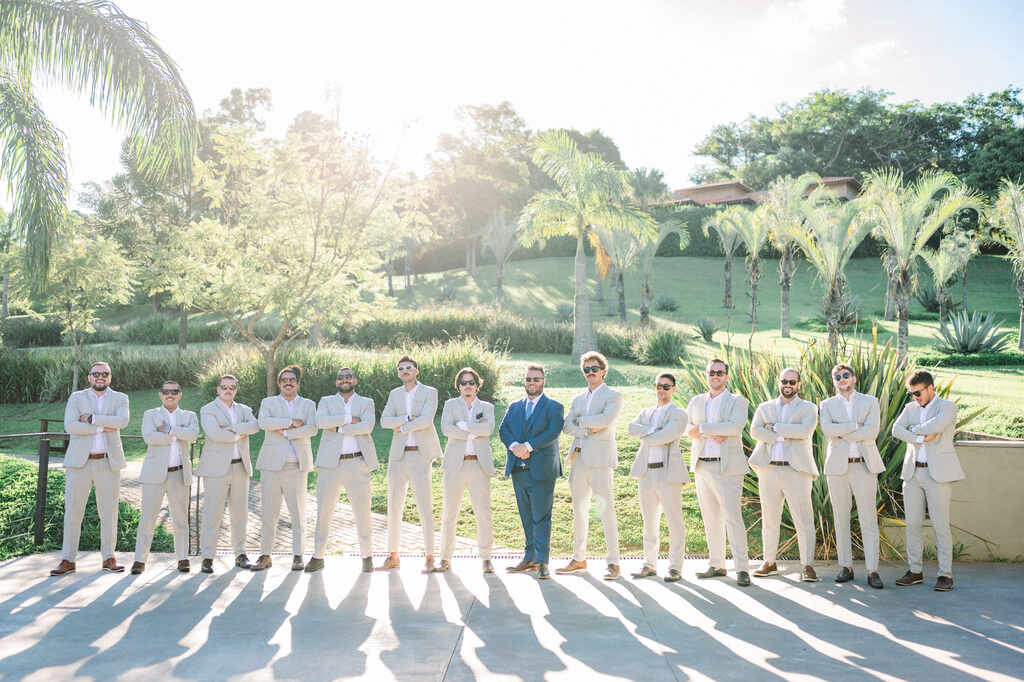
<point>314,565</point>
<point>674,575</point>
<point>612,573</point>
<point>572,567</point>
<point>443,567</point>
<point>874,580</point>
<point>542,572</point>
<point>63,568</point>
<point>184,566</point>
<point>712,572</point>
<point>262,563</point>
<point>845,575</point>
<point>242,561</point>
<point>367,564</point>
<point>766,570</point>
<point>943,583</point>
<point>644,572</point>
<point>910,578</point>
<point>428,565</point>
<point>488,566</point>
<point>742,578</point>
<point>110,565</point>
<point>297,563</point>
<point>389,564</point>
<point>521,567</point>
<point>207,566</point>
<point>138,567</point>
<point>808,575</point>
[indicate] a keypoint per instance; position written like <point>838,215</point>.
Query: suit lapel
<point>536,409</point>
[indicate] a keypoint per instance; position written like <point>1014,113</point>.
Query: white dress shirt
<point>409,395</point>
<point>292,455</point>
<point>712,414</point>
<point>590,395</point>
<point>778,452</point>
<point>174,454</point>
<point>234,422</point>
<point>848,404</point>
<point>464,425</point>
<point>655,455</point>
<point>99,441</point>
<point>922,451</point>
<point>348,443</point>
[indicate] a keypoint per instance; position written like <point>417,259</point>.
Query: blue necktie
<point>529,409</point>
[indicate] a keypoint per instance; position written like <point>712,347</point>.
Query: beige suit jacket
<point>597,447</point>
<point>797,430</point>
<point>274,415</point>
<point>671,426</point>
<point>185,431</point>
<point>114,415</point>
<point>855,438</point>
<point>330,414</point>
<point>454,411</point>
<point>943,464</point>
<point>732,419</point>
<point>419,422</point>
<point>219,448</point>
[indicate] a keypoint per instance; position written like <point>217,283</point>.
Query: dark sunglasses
<point>229,388</point>
<point>100,375</point>
<point>593,369</point>
<point>844,375</point>
<point>917,394</point>
<point>403,368</point>
<point>533,380</point>
<point>789,382</point>
<point>717,372</point>
<point>346,376</point>
<point>468,382</point>
<point>170,391</point>
<point>664,387</point>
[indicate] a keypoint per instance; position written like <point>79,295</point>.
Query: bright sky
<point>655,75</point>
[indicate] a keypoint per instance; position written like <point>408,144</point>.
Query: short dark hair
<point>169,381</point>
<point>293,369</point>
<point>593,355</point>
<point>227,376</point>
<point>406,358</point>
<point>534,367</point>
<point>921,377</point>
<point>718,361</point>
<point>342,369</point>
<point>794,370</point>
<point>100,362</point>
<point>840,366</point>
<point>468,370</point>
<point>669,376</point>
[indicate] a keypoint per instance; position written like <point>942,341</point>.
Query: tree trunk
<point>390,269</point>
<point>963,289</point>
<point>408,270</point>
<point>727,299</point>
<point>943,297</point>
<point>903,328</point>
<point>612,280</point>
<point>622,297</point>
<point>755,275</point>
<point>76,345</point>
<point>787,266</point>
<point>270,357</point>
<point>600,289</point>
<point>472,257</point>
<point>833,305</point>
<point>890,298</point>
<point>583,338</point>
<point>5,294</point>
<point>182,331</point>
<point>1020,324</point>
<point>645,301</point>
<point>499,276</point>
<point>469,255</point>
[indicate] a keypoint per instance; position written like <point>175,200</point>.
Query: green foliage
<point>927,296</point>
<point>706,328</point>
<point>1002,359</point>
<point>17,511</point>
<point>24,331</point>
<point>975,333</point>
<point>667,303</point>
<point>564,313</point>
<point>879,373</point>
<point>661,347</point>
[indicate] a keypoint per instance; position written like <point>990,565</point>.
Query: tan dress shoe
<point>612,573</point>
<point>389,564</point>
<point>443,567</point>
<point>645,572</point>
<point>262,563</point>
<point>110,565</point>
<point>572,567</point>
<point>521,567</point>
<point>542,572</point>
<point>808,575</point>
<point>63,568</point>
<point>138,567</point>
<point>488,566</point>
<point>766,570</point>
<point>428,565</point>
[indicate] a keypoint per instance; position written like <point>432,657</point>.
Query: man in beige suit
<point>718,464</point>
<point>285,460</point>
<point>345,458</point>
<point>468,422</point>
<point>94,418</point>
<point>662,472</point>
<point>167,470</point>
<point>593,456</point>
<point>930,465</point>
<point>850,421</point>
<point>225,467</point>
<point>784,461</point>
<point>410,412</point>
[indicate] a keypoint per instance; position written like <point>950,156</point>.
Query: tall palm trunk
<point>944,300</point>
<point>755,275</point>
<point>1020,324</point>
<point>182,330</point>
<point>5,294</point>
<point>727,298</point>
<point>622,297</point>
<point>499,276</point>
<point>600,289</point>
<point>389,267</point>
<point>583,338</point>
<point>787,266</point>
<point>833,308</point>
<point>890,300</point>
<point>963,289</point>
<point>612,279</point>
<point>902,290</point>
<point>645,301</point>
<point>408,270</point>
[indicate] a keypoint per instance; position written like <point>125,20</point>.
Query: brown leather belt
<point>410,448</point>
<point>779,464</point>
<point>177,468</point>
<point>920,464</point>
<point>97,455</point>
<point>709,459</point>
<point>237,461</point>
<point>655,465</point>
<point>852,460</point>
<point>351,455</point>
<point>576,451</point>
<point>471,458</point>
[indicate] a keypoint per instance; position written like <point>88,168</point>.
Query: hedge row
<point>973,360</point>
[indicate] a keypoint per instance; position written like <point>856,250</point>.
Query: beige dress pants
<point>177,490</point>
<point>585,480</point>
<point>290,483</point>
<point>455,483</point>
<point>413,468</point>
<point>784,483</point>
<point>861,485</point>
<point>658,494</point>
<point>719,497</point>
<point>352,475</point>
<point>232,487</point>
<point>77,484</point>
<point>939,495</point>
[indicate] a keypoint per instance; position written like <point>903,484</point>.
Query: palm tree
<point>93,49</point>
<point>783,210</point>
<point>1007,220</point>
<point>666,227</point>
<point>616,251</point>
<point>752,231</point>
<point>728,239</point>
<point>501,237</point>
<point>946,263</point>
<point>905,218</point>
<point>590,191</point>
<point>829,235</point>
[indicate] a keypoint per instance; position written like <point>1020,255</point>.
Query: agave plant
<point>706,328</point>
<point>973,333</point>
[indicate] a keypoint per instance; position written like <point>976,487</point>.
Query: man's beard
<point>100,389</point>
<point>533,392</point>
<point>345,391</point>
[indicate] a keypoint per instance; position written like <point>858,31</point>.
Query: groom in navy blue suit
<point>530,431</point>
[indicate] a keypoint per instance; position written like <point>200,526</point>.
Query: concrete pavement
<point>340,623</point>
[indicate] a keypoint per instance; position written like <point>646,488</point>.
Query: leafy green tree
<point>667,225</point>
<point>94,49</point>
<point>1000,157</point>
<point>945,264</point>
<point>728,239</point>
<point>905,217</point>
<point>590,191</point>
<point>501,237</point>
<point>1007,220</point>
<point>617,250</point>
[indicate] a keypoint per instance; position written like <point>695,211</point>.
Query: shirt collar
<point>596,388</point>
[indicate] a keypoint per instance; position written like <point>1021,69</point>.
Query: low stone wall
<point>987,513</point>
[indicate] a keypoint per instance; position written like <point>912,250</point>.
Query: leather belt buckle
<point>920,464</point>
<point>471,458</point>
<point>177,468</point>
<point>411,448</point>
<point>854,460</point>
<point>779,464</point>
<point>709,459</point>
<point>351,455</point>
<point>655,465</point>
<point>97,455</point>
<point>237,461</point>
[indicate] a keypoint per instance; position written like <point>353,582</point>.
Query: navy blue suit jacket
<point>541,432</point>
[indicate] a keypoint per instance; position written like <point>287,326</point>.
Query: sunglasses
<point>789,382</point>
<point>99,375</point>
<point>533,380</point>
<point>844,375</point>
<point>717,372</point>
<point>170,391</point>
<point>405,368</point>
<point>468,382</point>
<point>288,381</point>
<point>917,394</point>
<point>229,388</point>
<point>664,387</point>
<point>342,377</point>
<point>593,369</point>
